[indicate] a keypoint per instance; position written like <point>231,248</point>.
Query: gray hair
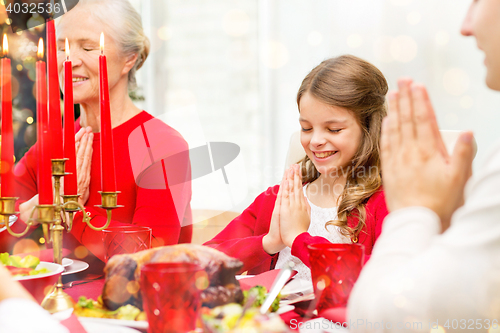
<point>125,27</point>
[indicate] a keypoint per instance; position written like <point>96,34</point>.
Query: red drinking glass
<point>170,296</point>
<point>125,239</point>
<point>334,269</point>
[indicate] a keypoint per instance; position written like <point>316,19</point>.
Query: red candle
<point>107,155</point>
<point>7,154</point>
<point>44,177</point>
<point>70,181</point>
<point>55,123</point>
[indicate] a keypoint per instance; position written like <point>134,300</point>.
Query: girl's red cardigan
<point>242,238</point>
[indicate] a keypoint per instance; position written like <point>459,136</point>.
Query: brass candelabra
<point>51,217</point>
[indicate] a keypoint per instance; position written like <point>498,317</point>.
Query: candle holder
<point>51,217</point>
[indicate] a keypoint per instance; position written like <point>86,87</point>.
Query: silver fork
<point>76,283</point>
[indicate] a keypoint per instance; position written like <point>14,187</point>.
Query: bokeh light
<point>413,18</point>
<point>494,329</point>
<point>466,102</point>
<point>201,280</point>
<point>133,287</point>
<point>442,38</point>
<point>439,329</point>
<point>81,252</point>
<point>165,33</point>
<point>25,245</point>
<point>48,289</point>
<point>321,285</point>
<point>236,23</point>
<point>29,120</point>
<point>403,48</point>
<point>456,81</point>
<point>275,55</point>
<point>119,283</point>
<point>382,48</point>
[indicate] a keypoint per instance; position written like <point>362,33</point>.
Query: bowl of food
<point>38,277</point>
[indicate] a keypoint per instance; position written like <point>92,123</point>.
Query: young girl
<point>335,195</point>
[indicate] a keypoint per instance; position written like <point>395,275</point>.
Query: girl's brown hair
<point>358,86</point>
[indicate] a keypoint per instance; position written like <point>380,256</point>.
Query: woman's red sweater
<point>154,208</point>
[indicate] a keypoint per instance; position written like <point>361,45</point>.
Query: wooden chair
<point>207,228</point>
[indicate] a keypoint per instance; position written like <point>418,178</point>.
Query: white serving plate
<point>76,267</point>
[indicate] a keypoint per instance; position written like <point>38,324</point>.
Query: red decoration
<point>70,181</point>
<point>55,124</point>
<point>7,154</point>
<point>107,154</point>
<point>44,178</point>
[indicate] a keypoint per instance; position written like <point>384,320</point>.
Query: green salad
<point>261,292</point>
<point>22,266</point>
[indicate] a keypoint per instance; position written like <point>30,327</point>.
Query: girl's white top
<point>319,218</point>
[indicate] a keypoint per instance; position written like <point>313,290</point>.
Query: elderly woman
<point>159,206</point>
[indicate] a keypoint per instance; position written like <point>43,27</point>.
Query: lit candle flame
<point>40,49</point>
<point>66,48</point>
<point>5,45</point>
<point>102,43</point>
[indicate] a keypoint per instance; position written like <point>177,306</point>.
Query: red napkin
<point>294,318</point>
<point>90,290</point>
<point>265,279</point>
<point>336,315</point>
<point>73,324</point>
<point>44,255</point>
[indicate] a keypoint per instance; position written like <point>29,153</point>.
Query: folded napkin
<point>44,255</point>
<point>336,315</point>
<point>73,324</point>
<point>265,279</point>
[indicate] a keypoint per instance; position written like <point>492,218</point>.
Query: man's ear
<point>129,64</point>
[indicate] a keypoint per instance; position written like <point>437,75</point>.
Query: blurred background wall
<point>237,65</point>
<point>229,70</point>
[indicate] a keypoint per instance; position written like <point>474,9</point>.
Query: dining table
<point>89,282</point>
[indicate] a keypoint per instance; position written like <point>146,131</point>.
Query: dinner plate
<point>140,324</point>
<point>297,286</point>
<point>285,308</point>
<point>97,327</point>
<point>66,262</point>
<point>75,267</point>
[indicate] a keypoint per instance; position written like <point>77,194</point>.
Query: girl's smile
<point>323,155</point>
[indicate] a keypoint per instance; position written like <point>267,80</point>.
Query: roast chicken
<point>122,274</point>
